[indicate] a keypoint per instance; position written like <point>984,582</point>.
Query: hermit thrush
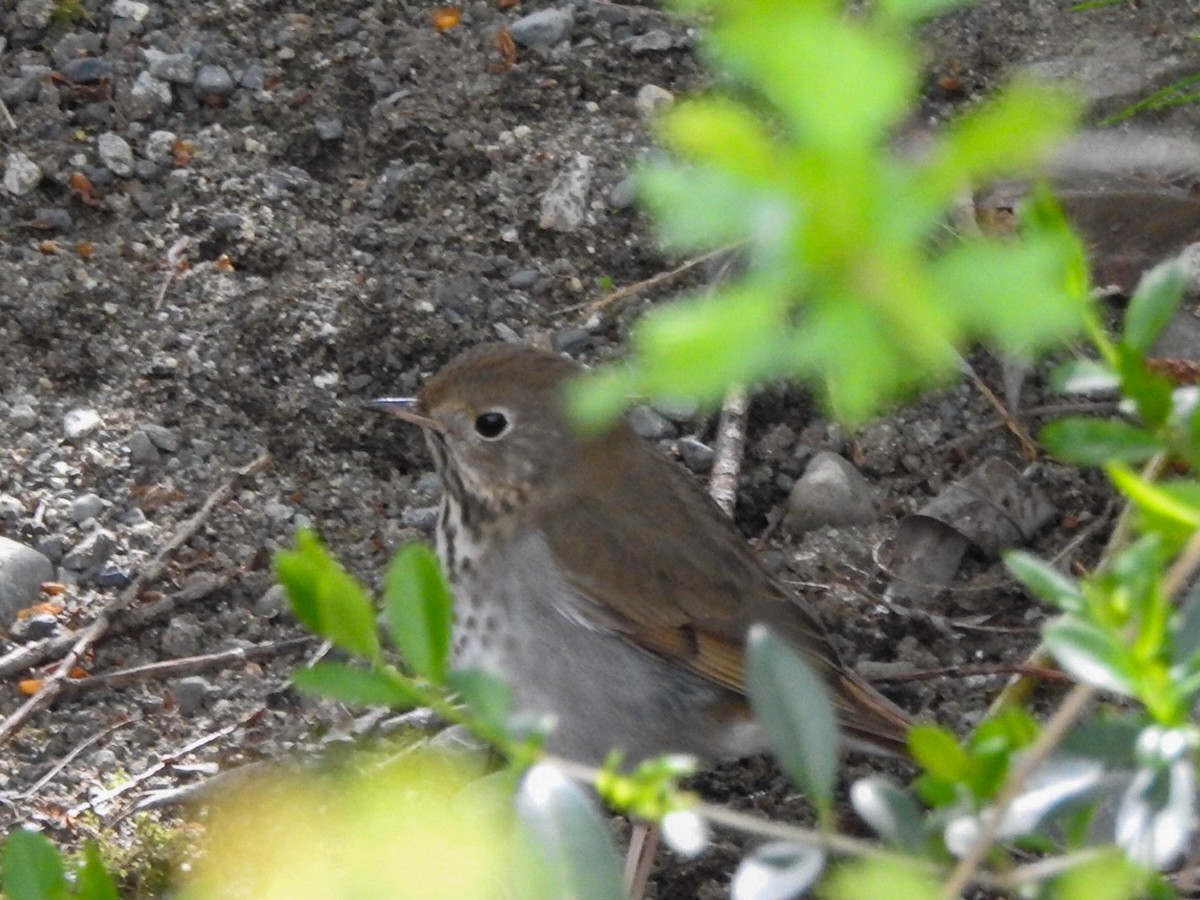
<point>599,578</point>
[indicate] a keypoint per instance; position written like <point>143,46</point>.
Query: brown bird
<point>599,578</point>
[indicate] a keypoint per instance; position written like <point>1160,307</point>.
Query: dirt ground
<point>296,206</point>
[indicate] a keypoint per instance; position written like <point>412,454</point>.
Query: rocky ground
<point>225,224</point>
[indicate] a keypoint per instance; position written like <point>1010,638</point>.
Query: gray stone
<point>112,575</point>
<point>423,518</point>
<point>54,218</point>
<point>542,28</point>
<point>648,424</point>
<point>272,602</point>
<point>564,205</point>
<point>696,454</point>
<point>22,416</point>
<point>623,194</point>
<point>175,67</point>
<point>79,423</point>
<point>21,174</point>
<point>35,13</point>
<point>213,81</point>
<point>90,553</point>
<point>676,410</point>
<point>831,492</point>
<point>22,572</point>
<point>35,627</point>
<point>53,547</point>
<point>74,47</point>
<point>571,341</point>
<point>147,96</point>
<point>104,760</point>
<point>183,636</point>
<point>87,506</point>
<point>191,694</point>
<point>130,9</point>
<point>142,450</point>
<point>163,438</point>
<point>88,70</point>
<point>330,129</point>
<point>11,509</point>
<point>523,279</point>
<point>651,99</point>
<point>652,42</point>
<point>115,153</point>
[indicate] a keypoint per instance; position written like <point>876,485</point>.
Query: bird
<point>600,580</point>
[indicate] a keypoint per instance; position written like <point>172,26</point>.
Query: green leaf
<point>1044,581</point>
<point>580,859</point>
<point>936,750</point>
<point>358,687</point>
<point>873,879</point>
<point>32,868</point>
<point>487,695</point>
<point>93,880</point>
<point>1173,505</point>
<point>418,607</point>
<point>778,869</point>
<point>1185,631</point>
<point>792,704</point>
<point>1149,390</point>
<point>699,207</point>
<point>719,132</point>
<point>1105,876</point>
<point>1155,301</point>
<point>1096,442</point>
<point>326,598</point>
<point>1092,655</point>
<point>890,810</point>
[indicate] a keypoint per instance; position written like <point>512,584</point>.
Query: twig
<point>198,586</point>
<point>630,290</point>
<point>185,665</point>
<point>75,751</point>
<point>1029,447</point>
<point>53,685</point>
<point>1039,672</point>
<point>8,119</point>
<point>727,459</point>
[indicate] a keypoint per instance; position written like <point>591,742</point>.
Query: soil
<point>248,218</point>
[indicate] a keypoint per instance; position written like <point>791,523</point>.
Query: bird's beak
<point>403,408</point>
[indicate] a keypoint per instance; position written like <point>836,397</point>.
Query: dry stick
<point>197,587</point>
<point>185,665</point>
<point>727,459</point>
<point>53,685</point>
<point>1029,447</point>
<point>637,287</point>
<point>79,748</point>
<point>8,119</point>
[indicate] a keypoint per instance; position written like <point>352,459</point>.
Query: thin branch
<point>730,445</point>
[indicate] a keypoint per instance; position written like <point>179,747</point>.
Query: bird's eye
<point>491,425</point>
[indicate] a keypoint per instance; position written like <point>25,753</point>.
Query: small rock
<point>21,174</point>
<point>104,760</point>
<point>147,96</point>
<point>34,628</point>
<point>191,694</point>
<point>831,492</point>
<point>88,506</point>
<point>115,153</point>
<point>696,454</point>
<point>163,438</point>
<point>542,28</point>
<point>90,553</point>
<point>175,67</point>
<point>35,14</point>
<point>648,424</point>
<point>11,509</point>
<point>142,450</point>
<point>681,411</point>
<point>523,279</point>
<point>213,81</point>
<point>79,423</point>
<point>183,636</point>
<point>571,341</point>
<point>53,218</point>
<point>53,547</point>
<point>112,575</point>
<point>564,205</point>
<point>651,99</point>
<point>88,70</point>
<point>623,194</point>
<point>329,129</point>
<point>22,572</point>
<point>272,602</point>
<point>254,78</point>
<point>278,512</point>
<point>652,42</point>
<point>130,9</point>
<point>22,416</point>
<point>423,518</point>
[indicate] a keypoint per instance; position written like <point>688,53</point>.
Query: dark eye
<point>491,425</point>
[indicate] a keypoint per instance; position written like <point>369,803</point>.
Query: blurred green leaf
<point>1150,391</point>
<point>1106,876</point>
<point>93,880</point>
<point>574,843</point>
<point>418,607</point>
<point>1109,739</point>
<point>1084,376</point>
<point>1091,654</point>
<point>32,868</point>
<point>1172,505</point>
<point>891,811</point>
<point>1186,629</point>
<point>936,750</point>
<point>874,879</point>
<point>698,208</point>
<point>488,696</point>
<point>792,704</point>
<point>358,687</point>
<point>1152,305</point>
<point>777,869</point>
<point>1096,442</point>
<point>722,133</point>
<point>1045,581</point>
<point>326,598</point>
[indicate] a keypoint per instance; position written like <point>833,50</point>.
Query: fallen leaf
<point>445,17</point>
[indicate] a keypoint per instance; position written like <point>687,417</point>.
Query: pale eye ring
<point>491,425</point>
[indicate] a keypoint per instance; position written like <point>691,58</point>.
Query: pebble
<point>564,205</point>
<point>542,28</point>
<point>90,553</point>
<point>624,193</point>
<point>272,602</point>
<point>651,99</point>
<point>22,572</point>
<point>329,129</point>
<point>147,96</point>
<point>53,547</point>
<point>696,454</point>
<point>79,423</point>
<point>87,506</point>
<point>423,518</point>
<point>35,627</point>
<point>571,341</point>
<point>23,416</point>
<point>104,760</point>
<point>11,509</point>
<point>130,9</point>
<point>831,492</point>
<point>278,512</point>
<point>142,450</point>
<point>35,14</point>
<point>213,81</point>
<point>115,153</point>
<point>163,438</point>
<point>183,636</point>
<point>191,693</point>
<point>112,575</point>
<point>175,67</point>
<point>54,218</point>
<point>21,174</point>
<point>523,279</point>
<point>88,70</point>
<point>652,42</point>
<point>648,424</point>
<point>681,411</point>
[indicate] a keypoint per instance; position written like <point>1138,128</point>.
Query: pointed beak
<point>403,408</point>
